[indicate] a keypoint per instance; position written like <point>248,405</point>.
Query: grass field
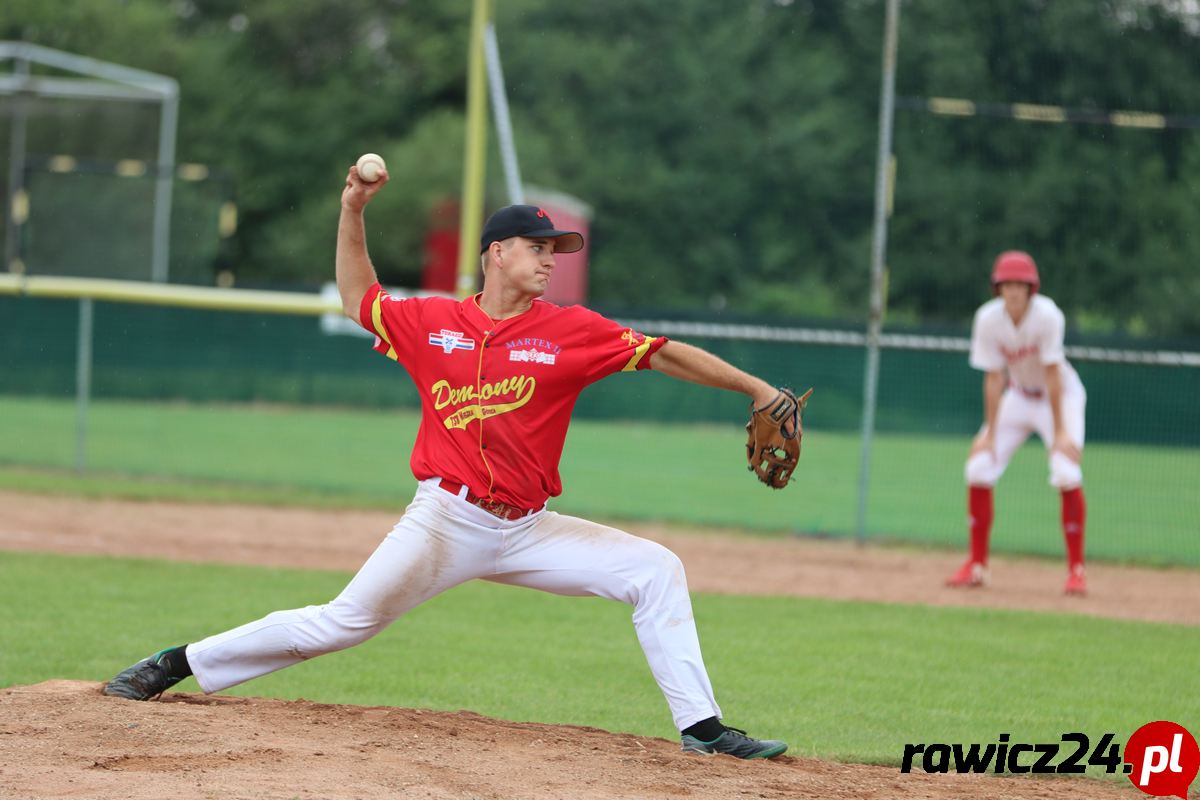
<point>843,680</point>
<point>1141,503</point>
<point>850,681</point>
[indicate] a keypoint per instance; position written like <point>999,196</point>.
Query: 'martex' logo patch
<point>532,356</point>
<point>532,350</point>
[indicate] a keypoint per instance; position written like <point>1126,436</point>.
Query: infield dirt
<point>63,739</point>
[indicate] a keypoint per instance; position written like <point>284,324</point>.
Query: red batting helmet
<point>1015,265</point>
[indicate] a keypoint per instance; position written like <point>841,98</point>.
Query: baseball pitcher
<point>498,375</point>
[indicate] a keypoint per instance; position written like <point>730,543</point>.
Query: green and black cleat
<point>144,680</point>
<point>736,743</point>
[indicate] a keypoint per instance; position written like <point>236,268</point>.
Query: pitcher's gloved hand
<point>773,437</point>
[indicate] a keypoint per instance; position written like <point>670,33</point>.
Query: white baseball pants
<point>442,541</point>
<point>1019,416</point>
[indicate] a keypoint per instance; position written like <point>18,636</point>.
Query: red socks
<point>979,506</point>
<point>1074,511</point>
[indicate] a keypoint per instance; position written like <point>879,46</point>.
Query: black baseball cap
<point>530,222</point>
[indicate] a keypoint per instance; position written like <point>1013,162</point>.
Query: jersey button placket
<point>479,399</point>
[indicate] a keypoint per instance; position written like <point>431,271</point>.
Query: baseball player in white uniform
<point>1028,386</point>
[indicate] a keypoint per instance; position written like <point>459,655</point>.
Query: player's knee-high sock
<point>979,505</point>
<point>1074,511</point>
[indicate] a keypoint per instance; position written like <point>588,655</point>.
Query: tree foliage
<point>728,149</point>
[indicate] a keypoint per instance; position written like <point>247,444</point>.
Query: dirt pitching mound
<point>63,739</point>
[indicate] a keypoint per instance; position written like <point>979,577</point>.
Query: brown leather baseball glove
<point>773,437</point>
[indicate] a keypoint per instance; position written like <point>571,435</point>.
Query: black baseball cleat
<point>145,680</point>
<point>735,742</point>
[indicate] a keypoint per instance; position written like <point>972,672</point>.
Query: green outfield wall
<point>148,352</point>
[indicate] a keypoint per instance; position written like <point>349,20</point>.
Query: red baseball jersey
<point>497,396</point>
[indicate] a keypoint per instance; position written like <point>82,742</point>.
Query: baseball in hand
<point>369,166</point>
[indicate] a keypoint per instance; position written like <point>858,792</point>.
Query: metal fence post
<point>887,97</point>
<point>83,382</point>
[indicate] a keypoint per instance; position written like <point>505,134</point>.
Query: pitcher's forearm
<point>352,265</point>
<point>689,363</point>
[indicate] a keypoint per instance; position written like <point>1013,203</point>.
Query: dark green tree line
<point>728,149</point>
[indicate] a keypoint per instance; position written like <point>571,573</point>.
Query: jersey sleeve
<point>1050,342</point>
<point>394,321</point>
<point>617,348</point>
<point>985,349</point>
